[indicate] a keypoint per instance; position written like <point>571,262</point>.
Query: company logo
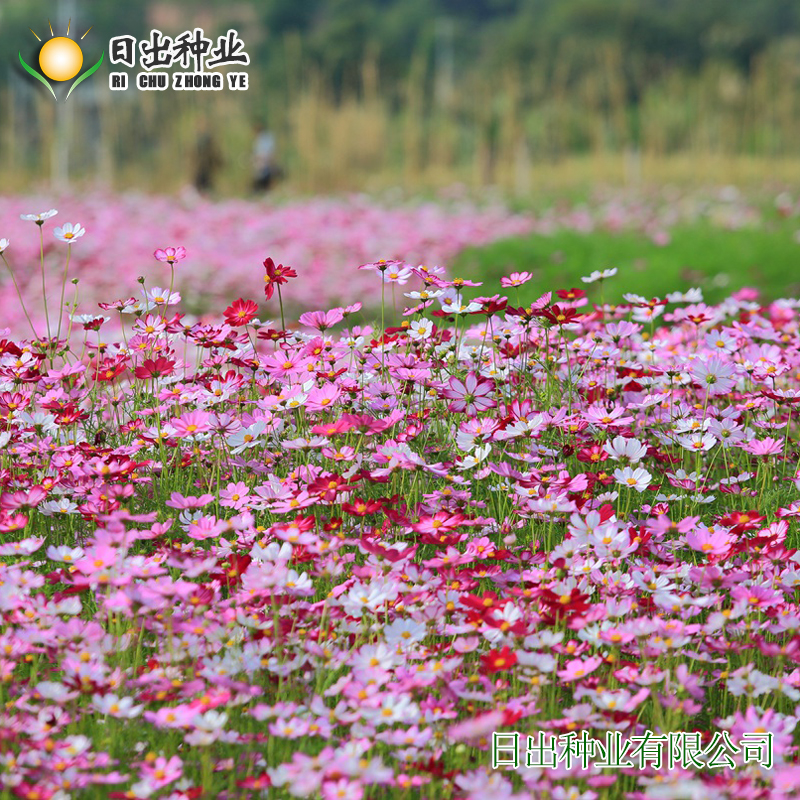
<point>195,54</point>
<point>60,59</point>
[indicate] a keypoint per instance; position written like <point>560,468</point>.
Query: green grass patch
<point>718,261</point>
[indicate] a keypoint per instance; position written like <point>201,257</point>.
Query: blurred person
<point>207,159</point>
<point>265,168</point>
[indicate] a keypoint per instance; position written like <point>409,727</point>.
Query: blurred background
<point>555,137</point>
<point>522,95</point>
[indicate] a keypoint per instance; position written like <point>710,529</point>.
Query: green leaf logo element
<point>39,77</point>
<point>85,75</point>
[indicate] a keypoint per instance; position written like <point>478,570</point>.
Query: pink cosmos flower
<point>598,414</point>
<point>322,398</point>
<point>577,668</point>
<point>714,542</point>
<point>515,279</point>
<point>342,789</point>
<point>399,274</point>
<point>764,447</point>
<point>235,495</point>
<point>192,423</point>
<point>382,266</point>
<point>170,255</point>
<point>472,395</point>
<point>322,320</point>
<point>714,374</point>
<point>440,522</point>
<point>162,771</point>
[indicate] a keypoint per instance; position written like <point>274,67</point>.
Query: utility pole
<point>59,155</point>
<point>444,69</point>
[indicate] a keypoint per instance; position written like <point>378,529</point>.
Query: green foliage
<point>716,260</point>
<point>337,34</point>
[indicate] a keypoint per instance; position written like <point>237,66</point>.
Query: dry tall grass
<point>529,128</point>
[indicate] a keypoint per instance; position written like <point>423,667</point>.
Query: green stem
<point>280,303</point>
<point>19,294</point>
<point>44,287</point>
<point>63,289</point>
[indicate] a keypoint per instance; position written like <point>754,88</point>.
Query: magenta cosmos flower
<point>170,255</point>
<point>471,395</point>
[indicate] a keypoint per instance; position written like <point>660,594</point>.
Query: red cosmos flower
<point>272,334</point>
<point>558,315</point>
<point>108,368</point>
<point>229,570</point>
<point>94,324</point>
<point>360,508</point>
<point>592,455</point>
<point>154,368</point>
<point>327,486</point>
<point>333,525</point>
<point>70,414</point>
<point>481,603</point>
<point>261,781</point>
<point>498,660</point>
<point>525,315</point>
<point>741,521</point>
<point>240,312</point>
<point>363,423</point>
<point>276,276</point>
<point>789,396</point>
<point>13,401</point>
<point>571,294</point>
<point>491,305</point>
<point>566,605</point>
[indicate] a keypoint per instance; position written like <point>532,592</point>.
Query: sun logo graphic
<point>60,59</point>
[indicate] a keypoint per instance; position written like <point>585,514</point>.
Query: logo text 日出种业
<point>196,56</point>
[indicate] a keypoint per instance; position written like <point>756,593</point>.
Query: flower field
<point>327,236</point>
<point>321,558</point>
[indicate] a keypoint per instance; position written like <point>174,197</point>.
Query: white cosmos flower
<point>425,294</point>
<point>396,274</point>
<point>68,232</point>
<point>638,479</point>
<point>121,707</point>
<point>597,275</point>
<point>420,329</point>
<point>39,218</point>
<point>631,449</point>
<point>246,437</point>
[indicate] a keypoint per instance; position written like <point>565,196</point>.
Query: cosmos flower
<point>275,275</point>
<point>68,232</point>
<point>361,542</point>
<point>600,275</point>
<point>170,255</point>
<point>39,219</point>
<point>471,395</point>
<point>515,279</point>
<point>638,479</point>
